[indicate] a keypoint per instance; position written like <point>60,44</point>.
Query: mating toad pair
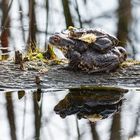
<point>89,50</point>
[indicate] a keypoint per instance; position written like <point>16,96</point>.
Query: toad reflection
<point>92,103</point>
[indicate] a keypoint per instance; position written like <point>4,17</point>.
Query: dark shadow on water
<point>92,103</point>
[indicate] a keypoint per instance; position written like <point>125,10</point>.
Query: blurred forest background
<point>28,21</point>
<point>25,22</point>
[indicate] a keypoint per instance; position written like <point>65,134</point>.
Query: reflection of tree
<point>93,131</point>
<point>11,115</point>
<point>21,20</point>
<point>115,128</point>
<point>37,114</point>
<point>24,116</point>
<point>136,124</point>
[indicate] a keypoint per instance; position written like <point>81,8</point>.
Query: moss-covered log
<point>11,76</point>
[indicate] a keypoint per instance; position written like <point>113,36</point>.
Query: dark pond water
<point>34,115</point>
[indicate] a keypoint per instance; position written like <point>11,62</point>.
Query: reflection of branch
<point>11,115</point>
<point>24,117</point>
<point>78,131</point>
<point>134,133</point>
<point>93,131</point>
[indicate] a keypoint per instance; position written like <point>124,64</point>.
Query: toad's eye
<point>56,39</point>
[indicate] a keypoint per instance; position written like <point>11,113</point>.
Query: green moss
<point>100,88</point>
<point>34,55</point>
<point>130,62</point>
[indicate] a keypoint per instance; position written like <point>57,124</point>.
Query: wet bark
<point>57,77</point>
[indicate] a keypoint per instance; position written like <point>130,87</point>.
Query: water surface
<point>30,115</point>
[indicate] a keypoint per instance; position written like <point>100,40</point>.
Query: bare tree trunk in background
<point>32,26</point>
<point>115,128</point>
<point>47,15</point>
<point>11,115</point>
<point>21,20</point>
<point>124,20</point>
<point>93,131</point>
<point>67,13</point>
<point>78,13</point>
<point>47,24</point>
<point>5,23</point>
